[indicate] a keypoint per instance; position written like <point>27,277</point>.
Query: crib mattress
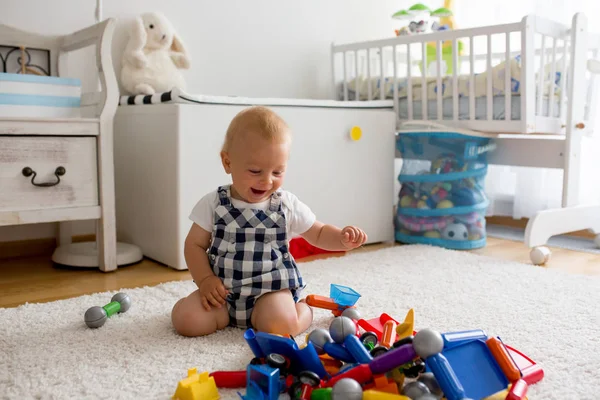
<point>498,106</point>
<point>179,96</point>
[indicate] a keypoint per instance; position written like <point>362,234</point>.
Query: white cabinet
<point>167,158</point>
<point>60,168</point>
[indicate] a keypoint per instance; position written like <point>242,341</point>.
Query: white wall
<point>266,48</point>
<point>248,48</point>
<point>262,48</point>
<point>489,12</point>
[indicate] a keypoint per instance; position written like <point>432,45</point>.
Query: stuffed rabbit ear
<point>179,53</point>
<point>138,37</point>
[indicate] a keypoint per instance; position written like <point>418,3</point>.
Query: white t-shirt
<point>299,218</point>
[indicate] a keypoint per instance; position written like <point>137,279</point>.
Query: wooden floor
<point>35,279</point>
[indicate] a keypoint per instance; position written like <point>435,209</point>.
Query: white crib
<point>529,60</point>
<point>525,84</point>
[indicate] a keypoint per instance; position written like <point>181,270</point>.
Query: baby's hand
<point>353,237</point>
<point>212,292</point>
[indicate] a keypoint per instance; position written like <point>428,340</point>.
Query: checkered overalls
<point>249,252</point>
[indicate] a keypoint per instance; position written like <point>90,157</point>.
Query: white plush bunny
<point>153,57</point>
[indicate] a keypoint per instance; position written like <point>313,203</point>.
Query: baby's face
<point>257,167</point>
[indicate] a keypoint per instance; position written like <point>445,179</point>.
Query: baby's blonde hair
<point>257,120</point>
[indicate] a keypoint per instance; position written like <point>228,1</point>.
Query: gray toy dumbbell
<point>96,316</point>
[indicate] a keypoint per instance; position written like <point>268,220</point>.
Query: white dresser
<point>60,169</point>
<point>167,158</point>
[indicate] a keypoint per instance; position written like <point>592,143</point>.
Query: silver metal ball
<point>432,384</point>
<point>124,300</point>
<point>351,313</point>
<point>95,317</point>
<point>415,390</point>
<point>428,342</point>
<point>347,389</point>
<point>428,396</point>
<point>318,338</point>
<point>340,328</point>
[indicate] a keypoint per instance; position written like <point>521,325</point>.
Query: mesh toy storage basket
<point>442,200</point>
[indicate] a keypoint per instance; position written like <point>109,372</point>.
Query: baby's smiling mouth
<point>258,192</point>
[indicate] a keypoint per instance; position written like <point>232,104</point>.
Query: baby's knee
<point>289,323</point>
<point>176,307</point>
<point>183,319</point>
<point>190,319</point>
<point>178,318</point>
<point>283,324</point>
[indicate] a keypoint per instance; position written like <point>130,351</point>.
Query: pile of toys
<point>374,359</point>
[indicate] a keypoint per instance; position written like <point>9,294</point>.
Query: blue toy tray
<point>476,369</point>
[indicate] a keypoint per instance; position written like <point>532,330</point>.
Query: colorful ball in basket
<point>465,196</point>
<point>408,201</point>
<point>445,204</point>
<point>447,163</point>
<point>440,191</point>
<point>455,231</point>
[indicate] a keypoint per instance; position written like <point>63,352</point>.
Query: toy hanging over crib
<point>423,20</point>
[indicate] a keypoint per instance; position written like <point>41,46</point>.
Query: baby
<point>237,249</point>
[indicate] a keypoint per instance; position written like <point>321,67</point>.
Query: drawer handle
<point>58,172</point>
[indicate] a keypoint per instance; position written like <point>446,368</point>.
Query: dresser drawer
<point>47,184</point>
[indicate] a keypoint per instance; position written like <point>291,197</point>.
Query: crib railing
<point>549,35</point>
<point>592,83</point>
<point>536,50</point>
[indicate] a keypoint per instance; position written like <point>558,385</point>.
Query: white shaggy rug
<point>48,353</point>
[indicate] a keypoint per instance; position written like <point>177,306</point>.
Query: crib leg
<point>548,223</point>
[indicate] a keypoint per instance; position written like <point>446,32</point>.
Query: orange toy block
<point>388,336</point>
<point>327,303</point>
<point>332,366</point>
<point>504,360</point>
<point>382,383</point>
